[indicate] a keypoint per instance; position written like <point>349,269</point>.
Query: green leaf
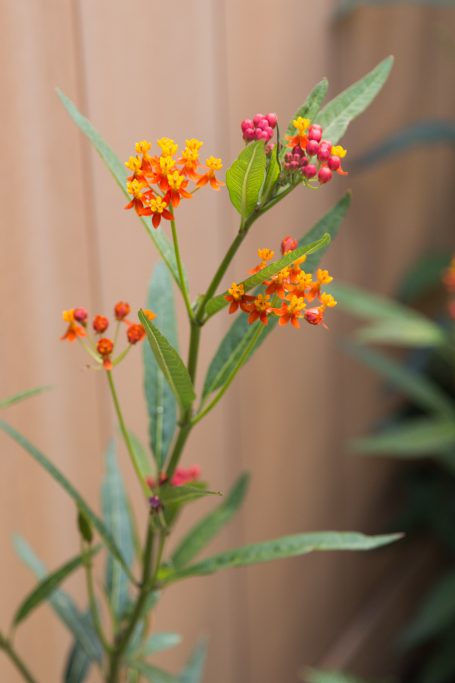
<point>207,529</point>
<point>141,456</point>
<point>22,395</point>
<point>161,404</point>
<point>272,175</point>
<point>309,109</point>
<point>435,615</point>
<point>414,438</point>
<point>170,363</point>
<point>419,134</point>
<point>51,469</point>
<point>338,114</point>
<point>48,585</point>
<point>194,670</point>
<point>392,322</point>
<point>424,275</point>
<point>240,333</point>
<point>245,177</point>
<point>175,495</point>
<point>219,302</point>
<point>314,676</point>
<point>158,642</point>
<point>422,391</point>
<point>153,673</point>
<point>85,528</point>
<point>63,605</point>
<point>120,174</point>
<point>280,548</point>
<point>78,663</point>
<point>117,519</point>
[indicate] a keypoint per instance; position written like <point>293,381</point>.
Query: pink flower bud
<point>263,123</point>
<point>269,148</point>
<point>334,163</point>
<point>258,118</point>
<point>264,135</point>
<point>258,134</point>
<point>324,175</point>
<point>269,131</point>
<point>309,171</point>
<point>315,132</point>
<point>272,119</point>
<point>294,165</point>
<point>246,123</point>
<point>249,134</point>
<point>312,147</point>
<point>80,315</point>
<point>288,244</point>
<point>288,156</point>
<point>323,152</point>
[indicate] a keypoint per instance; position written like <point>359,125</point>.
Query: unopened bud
<point>80,315</point>
<point>121,310</point>
<point>105,347</point>
<point>288,244</point>
<point>315,133</point>
<point>272,119</point>
<point>312,147</point>
<point>100,324</point>
<point>135,333</point>
<point>324,175</point>
<point>309,171</point>
<point>334,163</point>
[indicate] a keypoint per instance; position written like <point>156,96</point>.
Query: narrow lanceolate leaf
<point>338,114</point>
<point>422,391</point>
<point>240,333</point>
<point>51,469</point>
<point>117,519</point>
<point>161,403</point>
<point>153,673</point>
<point>142,458</point>
<point>22,395</point>
<point>245,177</point>
<point>415,438</point>
<point>48,585</point>
<point>119,173</point>
<point>158,642</point>
<point>314,676</point>
<point>392,322</point>
<point>211,525</point>
<point>280,548</point>
<point>63,605</point>
<point>175,495</point>
<point>219,302</point>
<point>78,664</point>
<point>309,109</point>
<point>170,363</point>
<point>194,669</point>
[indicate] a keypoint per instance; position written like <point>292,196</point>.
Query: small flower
<point>177,189</point>
<point>236,297</point>
<point>279,283</point>
<point>288,243</point>
<point>213,164</point>
<point>155,504</point>
<point>315,316</point>
<point>80,315</point>
<point>143,146</point>
<point>168,147</point>
<point>291,311</point>
<point>135,333</point>
<point>74,330</point>
<point>121,310</point>
<point>100,324</point>
<point>327,300</point>
<point>259,309</point>
<point>135,187</point>
<point>265,255</point>
<point>158,208</point>
<point>183,476</point>
<point>105,348</point>
<point>300,138</point>
<point>323,277</point>
<point>150,315</point>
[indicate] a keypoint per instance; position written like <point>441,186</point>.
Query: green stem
<point>178,259</point>
<point>7,647</point>
<point>182,436</point>
<point>92,602</point>
<point>246,352</point>
<point>125,434</point>
<point>124,638</point>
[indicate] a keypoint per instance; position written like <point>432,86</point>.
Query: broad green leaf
<point>240,333</point>
<point>272,175</point>
<point>116,517</point>
<point>314,676</point>
<point>170,363</point>
<point>51,469</point>
<point>219,302</point>
<point>309,109</point>
<point>245,177</point>
<point>435,615</point>
<point>22,395</point>
<point>207,529</point>
<point>424,274</point>
<point>338,114</point>
<point>347,6</point>
<point>413,438</point>
<point>153,673</point>
<point>194,669</point>
<point>78,664</point>
<point>416,386</point>
<point>161,404</point>
<point>280,548</point>
<point>63,605</point>
<point>120,174</point>
<point>49,584</point>
<point>158,642</point>
<point>419,134</point>
<point>392,322</point>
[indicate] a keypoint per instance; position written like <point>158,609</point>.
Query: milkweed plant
<point>282,288</point>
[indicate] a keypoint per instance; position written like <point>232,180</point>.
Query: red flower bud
<point>324,175</point>
<point>80,315</point>
<point>314,316</point>
<point>246,123</point>
<point>272,119</point>
<point>100,324</point>
<point>315,132</point>
<point>121,310</point>
<point>105,347</point>
<point>309,171</point>
<point>312,147</point>
<point>258,118</point>
<point>288,244</point>
<point>135,333</point>
<point>334,163</point>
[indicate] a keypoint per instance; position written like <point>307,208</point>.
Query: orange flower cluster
<point>292,285</point>
<point>158,183</point>
<point>99,347</point>
<point>449,281</point>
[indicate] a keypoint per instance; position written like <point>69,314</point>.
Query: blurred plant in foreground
<point>285,290</point>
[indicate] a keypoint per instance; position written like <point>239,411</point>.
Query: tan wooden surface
<point>147,69</point>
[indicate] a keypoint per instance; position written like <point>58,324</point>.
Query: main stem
<point>116,658</point>
<point>8,649</point>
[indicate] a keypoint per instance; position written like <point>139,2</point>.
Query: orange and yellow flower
<point>291,311</point>
<point>237,298</point>
<point>213,164</point>
<point>74,330</point>
<point>260,308</point>
<point>300,138</point>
